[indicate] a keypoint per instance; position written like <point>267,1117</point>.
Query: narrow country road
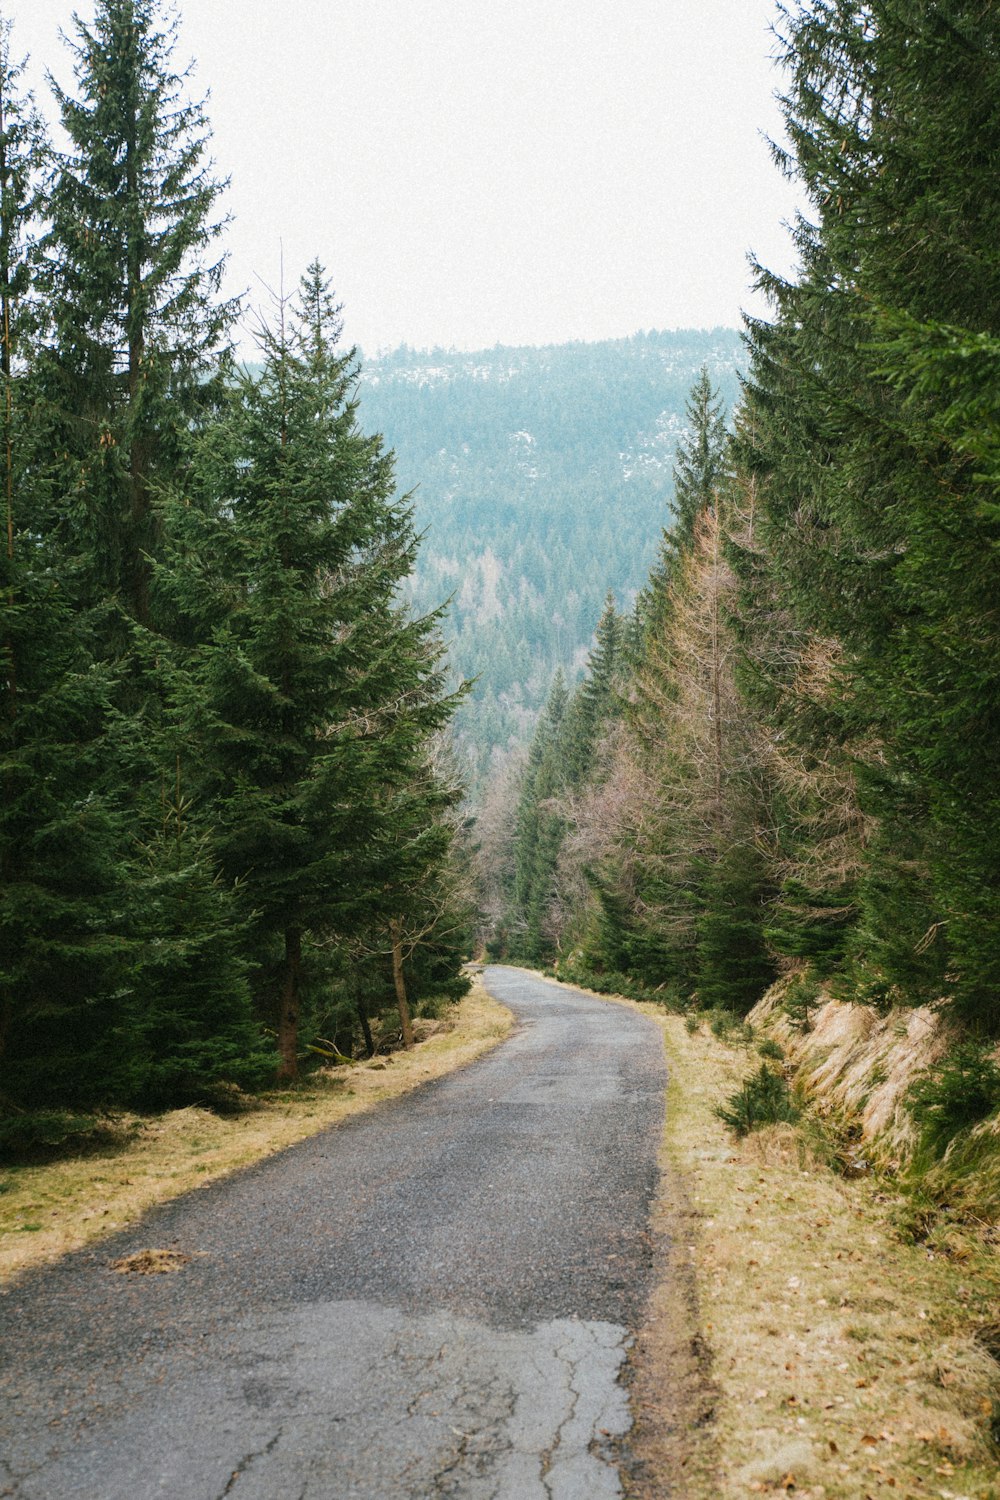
<point>433,1299</point>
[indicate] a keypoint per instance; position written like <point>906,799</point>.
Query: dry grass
<point>844,1362</point>
<point>859,1065</point>
<point>46,1211</point>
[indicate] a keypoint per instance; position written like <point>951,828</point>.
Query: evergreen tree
<point>190,1026</point>
<point>539,828</point>
<point>875,520</point>
<point>131,283</point>
<point>315,690</point>
<point>699,469</point>
<point>63,956</point>
<point>594,703</point>
<point>699,465</point>
<point>61,952</point>
<point>23,155</point>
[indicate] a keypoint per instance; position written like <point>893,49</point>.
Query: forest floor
<point>48,1210</point>
<point>800,1340</point>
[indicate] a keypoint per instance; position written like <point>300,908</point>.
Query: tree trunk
<point>288,1020</point>
<point>400,983</point>
<point>366,1029</point>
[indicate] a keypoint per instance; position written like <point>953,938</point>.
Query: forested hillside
<point>786,762</point>
<point>542,478</point>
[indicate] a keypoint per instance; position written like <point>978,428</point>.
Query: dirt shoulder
<point>46,1211</point>
<point>796,1341</point>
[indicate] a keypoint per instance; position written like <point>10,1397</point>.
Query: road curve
<point>430,1300</point>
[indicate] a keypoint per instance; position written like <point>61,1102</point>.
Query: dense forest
<point>228,821</point>
<point>784,761</point>
<point>541,479</point>
<point>750,627</point>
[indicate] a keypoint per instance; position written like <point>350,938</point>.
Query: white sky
<point>475,172</point>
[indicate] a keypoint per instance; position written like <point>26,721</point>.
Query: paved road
<point>430,1301</point>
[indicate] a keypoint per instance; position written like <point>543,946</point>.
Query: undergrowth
<point>762,1099</point>
<point>44,1135</point>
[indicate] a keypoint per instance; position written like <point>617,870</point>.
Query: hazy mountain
<point>542,477</point>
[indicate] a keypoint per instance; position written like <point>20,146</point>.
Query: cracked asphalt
<point>431,1300</point>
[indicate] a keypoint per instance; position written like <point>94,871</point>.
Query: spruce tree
<point>875,516</point>
<point>131,282</point>
<point>539,828</point>
<point>61,951</point>
<point>594,703</point>
<point>699,469</point>
<point>315,690</point>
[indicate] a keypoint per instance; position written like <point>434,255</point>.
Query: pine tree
<point>61,955</point>
<point>594,703</point>
<point>699,469</point>
<point>876,520</point>
<point>23,154</point>
<point>315,690</point>
<point>699,465</point>
<point>190,1027</point>
<point>135,320</point>
<point>539,829</point>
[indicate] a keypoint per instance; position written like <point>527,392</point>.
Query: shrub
<point>963,1090</point>
<point>762,1099</point>
<point>691,1023</point>
<point>45,1135</point>
<point>801,999</point>
<point>770,1048</point>
<point>721,1023</point>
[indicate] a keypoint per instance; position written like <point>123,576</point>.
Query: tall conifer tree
<point>315,691</point>
<point>132,283</point>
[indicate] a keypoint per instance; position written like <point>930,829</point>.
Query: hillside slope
<point>542,478</point>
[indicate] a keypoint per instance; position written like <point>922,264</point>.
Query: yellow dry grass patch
<point>46,1211</point>
<point>844,1361</point>
<point>859,1065</point>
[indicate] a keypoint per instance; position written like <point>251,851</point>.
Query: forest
<point>525,466</point>
<point>783,762</point>
<point>229,817</point>
<point>722,703</point>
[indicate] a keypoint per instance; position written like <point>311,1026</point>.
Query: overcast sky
<point>475,172</point>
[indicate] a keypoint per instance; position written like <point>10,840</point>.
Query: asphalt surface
<point>431,1300</point>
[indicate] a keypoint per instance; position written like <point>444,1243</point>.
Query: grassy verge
<point>796,1342</point>
<point>47,1210</point>
<point>842,1361</point>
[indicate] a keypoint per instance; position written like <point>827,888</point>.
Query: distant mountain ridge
<point>542,477</point>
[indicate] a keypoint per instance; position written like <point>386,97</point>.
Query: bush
<point>770,1048</point>
<point>45,1135</point>
<point>763,1099</point>
<point>691,1023</point>
<point>801,999</point>
<point>963,1090</point>
<point>721,1023</point>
